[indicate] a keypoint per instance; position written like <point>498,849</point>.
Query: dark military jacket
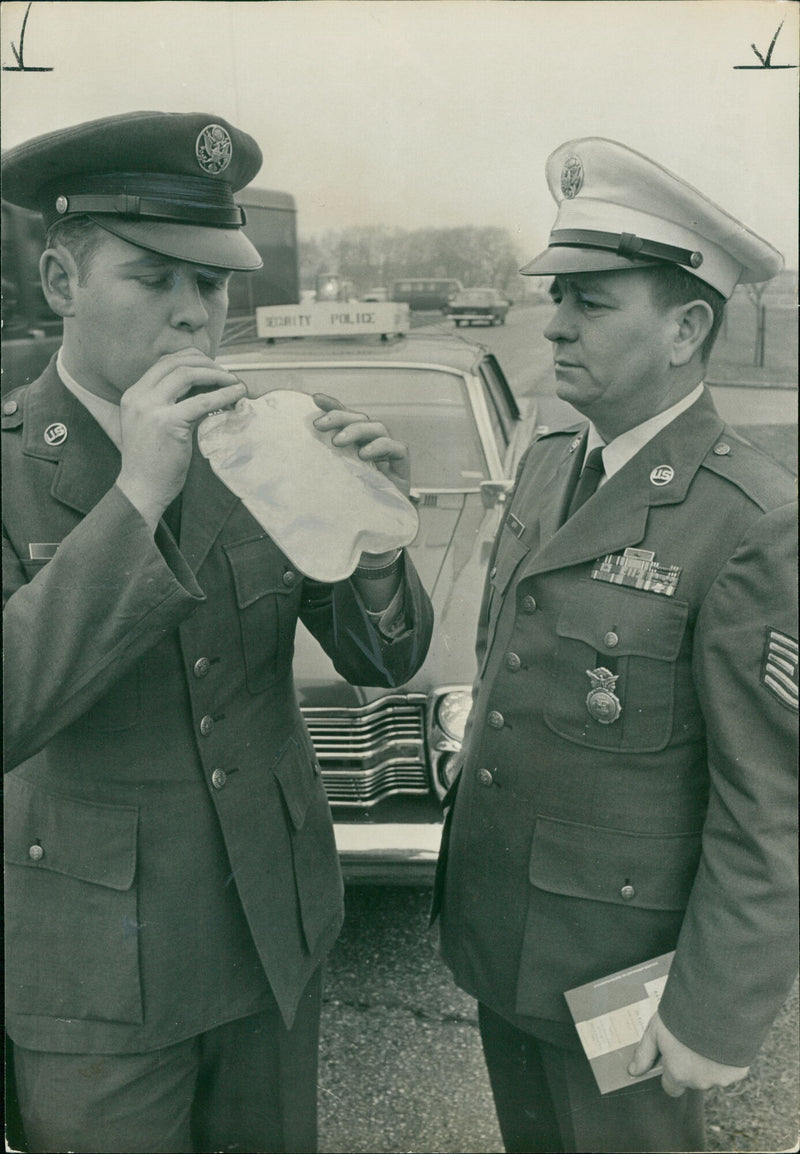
<point>586,839</point>
<point>170,851</point>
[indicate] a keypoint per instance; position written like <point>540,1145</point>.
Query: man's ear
<point>694,321</point>
<point>59,276</point>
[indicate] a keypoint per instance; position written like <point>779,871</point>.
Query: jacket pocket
<point>71,906</point>
<point>637,636</point>
<point>648,871</point>
<point>268,594</point>
<point>317,874</point>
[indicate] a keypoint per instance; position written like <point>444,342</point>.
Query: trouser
<point>247,1086</point>
<point>547,1100</point>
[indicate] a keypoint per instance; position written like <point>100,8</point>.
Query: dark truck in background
<point>31,333</point>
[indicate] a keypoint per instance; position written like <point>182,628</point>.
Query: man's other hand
<point>684,1069</point>
<point>371,437</point>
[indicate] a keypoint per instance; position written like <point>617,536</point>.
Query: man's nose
<point>561,326</point>
<point>188,307</point>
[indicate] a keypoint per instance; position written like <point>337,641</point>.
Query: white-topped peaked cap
<point>618,209</point>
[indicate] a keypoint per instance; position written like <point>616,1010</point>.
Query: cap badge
<point>572,177</point>
<point>601,700</point>
<point>214,149</point>
<point>55,434</point>
<point>662,475</point>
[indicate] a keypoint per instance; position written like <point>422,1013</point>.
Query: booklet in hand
<point>611,1015</point>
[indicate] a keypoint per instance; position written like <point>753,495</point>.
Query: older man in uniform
<point>172,878</point>
<point>628,781</point>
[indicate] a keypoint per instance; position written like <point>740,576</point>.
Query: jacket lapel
<point>87,460</point>
<point>617,514</point>
<point>207,504</point>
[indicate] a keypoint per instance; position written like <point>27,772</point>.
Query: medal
<point>601,701</point>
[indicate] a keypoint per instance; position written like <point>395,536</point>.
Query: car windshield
<point>427,409</point>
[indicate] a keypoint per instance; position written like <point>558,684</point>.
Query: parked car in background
<point>375,294</point>
<point>425,293</point>
<point>486,305</point>
<point>387,757</point>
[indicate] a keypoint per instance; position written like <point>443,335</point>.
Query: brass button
<point>218,778</point>
<point>206,725</point>
<point>627,892</point>
<point>36,853</point>
<point>289,577</point>
<point>611,640</point>
<point>722,449</point>
<point>513,662</point>
<point>485,777</point>
<point>528,604</point>
<point>496,719</point>
<point>9,408</point>
<point>201,667</point>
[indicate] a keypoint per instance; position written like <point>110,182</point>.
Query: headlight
<point>452,712</point>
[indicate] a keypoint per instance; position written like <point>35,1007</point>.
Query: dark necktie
<point>588,480</point>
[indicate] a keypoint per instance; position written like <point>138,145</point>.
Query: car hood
<point>450,553</point>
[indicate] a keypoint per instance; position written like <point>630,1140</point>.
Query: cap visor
<point>564,259</point>
<point>226,248</point>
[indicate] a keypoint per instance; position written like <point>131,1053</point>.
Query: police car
<point>387,757</point>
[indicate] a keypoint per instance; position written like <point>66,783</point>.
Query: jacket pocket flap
<point>293,772</point>
<point>258,570</point>
<point>642,624</point>
<point>649,871</point>
<point>86,840</point>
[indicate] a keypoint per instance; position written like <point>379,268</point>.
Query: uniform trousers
<point>547,1100</point>
<point>247,1086</point>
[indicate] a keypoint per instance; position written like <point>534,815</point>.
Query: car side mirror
<point>495,492</point>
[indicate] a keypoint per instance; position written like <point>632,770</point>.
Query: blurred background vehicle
<point>486,305</point>
<point>426,294</point>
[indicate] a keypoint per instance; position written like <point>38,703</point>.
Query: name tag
<point>38,551</point>
<point>638,569</point>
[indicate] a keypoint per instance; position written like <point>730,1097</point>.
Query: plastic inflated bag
<point>321,504</point>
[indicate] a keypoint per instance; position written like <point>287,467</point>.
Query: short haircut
<point>672,285</point>
<point>81,237</point>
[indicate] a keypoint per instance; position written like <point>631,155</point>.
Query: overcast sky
<point>436,112</point>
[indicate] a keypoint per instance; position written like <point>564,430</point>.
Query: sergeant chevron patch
<point>779,667</point>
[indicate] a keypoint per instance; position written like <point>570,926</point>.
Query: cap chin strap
<point>625,244</point>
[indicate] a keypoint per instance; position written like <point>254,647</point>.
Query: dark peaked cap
<point>161,180</point>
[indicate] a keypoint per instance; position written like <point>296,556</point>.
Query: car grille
<point>371,752</point>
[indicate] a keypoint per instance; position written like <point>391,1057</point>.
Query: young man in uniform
<point>173,884</point>
<point>629,771</point>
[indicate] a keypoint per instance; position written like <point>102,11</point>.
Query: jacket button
<point>9,408</point>
<point>485,777</point>
<point>722,450</point>
<point>496,719</point>
<point>218,778</point>
<point>289,577</point>
<point>611,640</point>
<point>528,604</point>
<point>206,725</point>
<point>201,667</point>
<point>513,662</point>
<point>627,892</point>
<point>36,853</point>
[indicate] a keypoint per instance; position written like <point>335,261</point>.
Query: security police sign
<point>332,318</point>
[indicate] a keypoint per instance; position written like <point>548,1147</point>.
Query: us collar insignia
<point>572,177</point>
<point>55,434</point>
<point>601,700</point>
<point>213,149</point>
